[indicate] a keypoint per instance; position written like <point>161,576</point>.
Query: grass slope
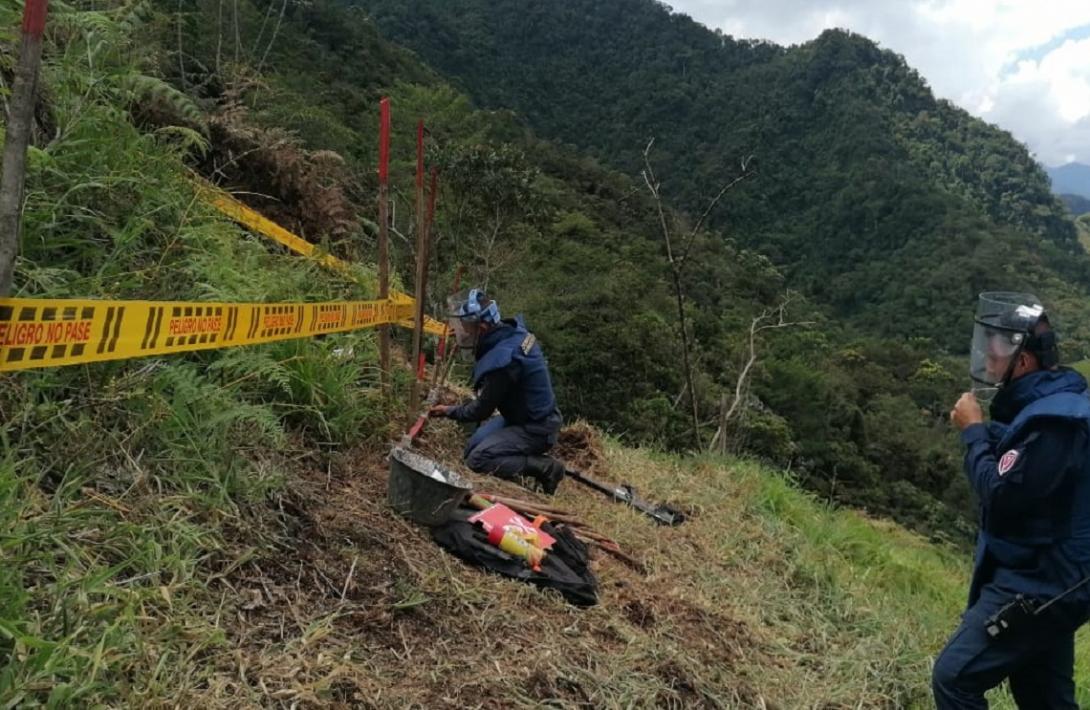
<point>210,530</point>
<point>314,594</point>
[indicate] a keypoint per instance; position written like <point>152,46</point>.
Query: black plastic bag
<point>563,569</point>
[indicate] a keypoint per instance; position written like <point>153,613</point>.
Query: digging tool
<point>418,426</point>
<point>615,550</point>
<point>662,514</point>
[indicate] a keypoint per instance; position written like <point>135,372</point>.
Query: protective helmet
<point>476,307</point>
<point>1004,327</point>
<point>466,313</point>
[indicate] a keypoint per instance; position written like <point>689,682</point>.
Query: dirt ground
<point>361,609</point>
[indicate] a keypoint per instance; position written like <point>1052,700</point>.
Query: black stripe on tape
<point>38,352</point>
<point>117,328</point>
<point>27,313</point>
<point>255,319</point>
<point>69,313</point>
<point>106,330</point>
<point>16,354</point>
<point>58,351</point>
<point>158,325</point>
<point>148,328</point>
<point>49,314</point>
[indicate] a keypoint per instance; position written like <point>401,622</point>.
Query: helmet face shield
<point>465,334</point>
<point>464,320</point>
<point>1004,322</point>
<point>993,354</point>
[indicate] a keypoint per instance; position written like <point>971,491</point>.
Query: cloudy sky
<point>1021,64</point>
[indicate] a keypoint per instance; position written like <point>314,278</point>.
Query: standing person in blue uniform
<point>511,376</point>
<point>1030,470</point>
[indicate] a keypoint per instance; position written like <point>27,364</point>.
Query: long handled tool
<point>563,518</point>
<point>662,514</point>
<point>414,431</point>
<point>443,363</point>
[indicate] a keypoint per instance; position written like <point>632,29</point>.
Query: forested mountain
<point>887,260</point>
<point>1076,204</point>
<point>1071,179</point>
<point>211,529</point>
<point>874,197</point>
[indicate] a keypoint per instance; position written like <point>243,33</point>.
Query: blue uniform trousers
<point>1038,660</point>
<point>501,449</point>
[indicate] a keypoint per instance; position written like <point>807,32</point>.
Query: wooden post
<point>421,269</point>
<point>12,182</point>
<point>438,376</point>
<point>384,234</point>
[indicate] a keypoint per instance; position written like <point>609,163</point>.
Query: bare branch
<point>679,292</point>
<point>219,36</point>
<point>757,325</point>
<point>653,186</point>
<point>276,31</point>
<point>746,173</point>
<point>181,56</point>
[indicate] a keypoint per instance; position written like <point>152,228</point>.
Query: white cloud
<point>1005,61</point>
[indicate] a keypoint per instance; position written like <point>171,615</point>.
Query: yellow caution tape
<point>244,215</point>
<point>49,332</point>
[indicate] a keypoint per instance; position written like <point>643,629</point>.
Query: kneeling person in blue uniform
<point>510,375</point>
<point>1030,469</point>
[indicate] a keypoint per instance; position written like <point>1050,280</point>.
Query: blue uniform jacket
<point>529,398</point>
<point>1030,470</point>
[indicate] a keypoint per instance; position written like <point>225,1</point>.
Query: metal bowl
<point>421,489</point>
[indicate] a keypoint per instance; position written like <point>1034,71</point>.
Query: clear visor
<point>993,351</point>
<point>464,331</point>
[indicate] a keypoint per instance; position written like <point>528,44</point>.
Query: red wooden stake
<point>384,234</point>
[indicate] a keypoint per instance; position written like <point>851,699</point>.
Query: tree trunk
<point>421,271</point>
<point>384,236</point>
<point>13,179</point>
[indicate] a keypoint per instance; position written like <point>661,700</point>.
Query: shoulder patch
<point>528,344</point>
<point>1008,460</point>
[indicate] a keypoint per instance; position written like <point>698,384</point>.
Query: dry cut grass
<point>762,599</point>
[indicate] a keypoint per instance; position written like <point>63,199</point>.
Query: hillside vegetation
<point>1076,204</point>
<point>873,197</point>
<point>210,530</point>
<point>578,247</point>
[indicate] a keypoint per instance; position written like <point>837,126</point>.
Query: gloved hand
<point>440,410</point>
<point>966,412</point>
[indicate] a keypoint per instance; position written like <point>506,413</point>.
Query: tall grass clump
<point>128,488</point>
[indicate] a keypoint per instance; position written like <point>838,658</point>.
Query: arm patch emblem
<point>1007,461</point>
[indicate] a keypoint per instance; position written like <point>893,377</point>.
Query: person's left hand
<point>440,410</point>
<point>966,412</point>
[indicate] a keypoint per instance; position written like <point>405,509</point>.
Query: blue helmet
<point>478,308</point>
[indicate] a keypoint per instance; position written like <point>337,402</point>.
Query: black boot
<point>547,471</point>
